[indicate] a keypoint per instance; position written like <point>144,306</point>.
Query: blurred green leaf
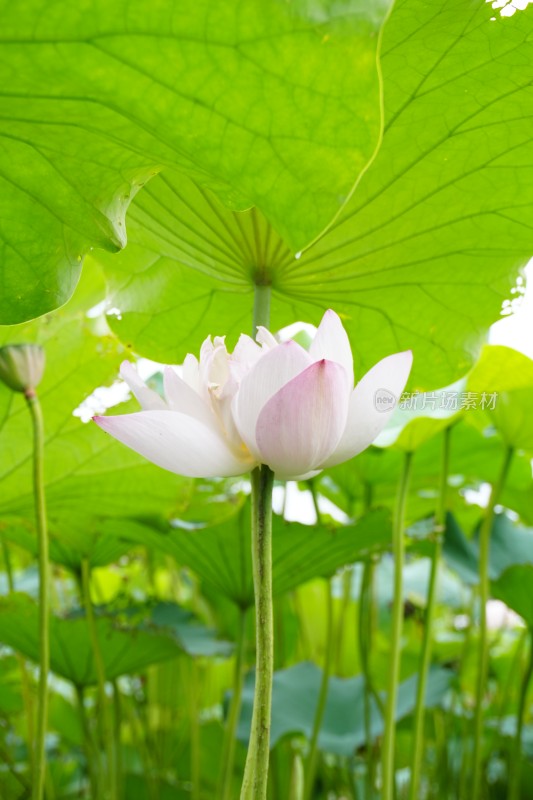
<point>513,418</point>
<point>509,374</point>
<point>514,588</point>
<point>500,369</point>
<point>510,544</point>
<point>221,555</point>
<point>295,696</point>
<point>64,718</point>
<point>193,637</point>
<point>10,688</point>
<point>125,649</point>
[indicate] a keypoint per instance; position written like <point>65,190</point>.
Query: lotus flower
<point>266,403</point>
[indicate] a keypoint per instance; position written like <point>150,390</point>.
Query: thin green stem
<point>347,578</point>
<point>510,683</point>
<point>312,758</point>
<point>88,743</point>
<point>464,746</point>
<point>261,307</point>
<point>397,625</point>
<point>228,749</point>
<point>39,758</point>
<point>515,767</point>
<point>117,729</point>
<point>365,624</point>
<point>425,658</point>
<point>103,703</point>
<point>296,788</point>
<point>194,712</point>
<point>255,780</point>
<point>138,731</point>
<point>483,653</point>
<point>25,683</point>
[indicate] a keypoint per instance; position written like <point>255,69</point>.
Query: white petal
<point>191,373</point>
<point>147,398</point>
<point>372,403</point>
<point>244,356</point>
<point>276,368</point>
<point>175,442</point>
<point>301,425</point>
<point>246,350</point>
<point>265,338</point>
<point>180,397</point>
<point>331,342</point>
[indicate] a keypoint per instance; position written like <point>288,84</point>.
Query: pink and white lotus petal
<point>273,370</point>
<point>331,342</point>
<point>181,397</point>
<point>300,426</point>
<point>176,442</point>
<point>147,398</point>
<point>367,416</point>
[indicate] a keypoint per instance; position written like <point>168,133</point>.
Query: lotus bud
<point>21,366</point>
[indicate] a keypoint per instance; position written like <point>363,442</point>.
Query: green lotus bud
<point>21,366</point>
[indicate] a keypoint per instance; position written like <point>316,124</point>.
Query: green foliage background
<point>158,162</point>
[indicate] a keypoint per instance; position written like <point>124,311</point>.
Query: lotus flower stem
<point>261,307</point>
<point>39,758</point>
<point>483,652</point>
<point>228,750</point>
<point>310,770</point>
<point>254,785</point>
<point>366,621</point>
<point>103,702</point>
<point>312,758</point>
<point>397,625</point>
<point>365,624</point>
<point>516,754</point>
<point>425,658</point>
<point>255,780</point>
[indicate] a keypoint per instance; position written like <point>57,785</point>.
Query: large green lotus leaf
<point>125,650</point>
<point>513,418</point>
<point>519,500</point>
<point>221,555</point>
<point>421,256</point>
<point>510,545</point>
<point>271,104</point>
<point>514,588</point>
<point>506,377</point>
<point>500,369</point>
<point>295,696</point>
